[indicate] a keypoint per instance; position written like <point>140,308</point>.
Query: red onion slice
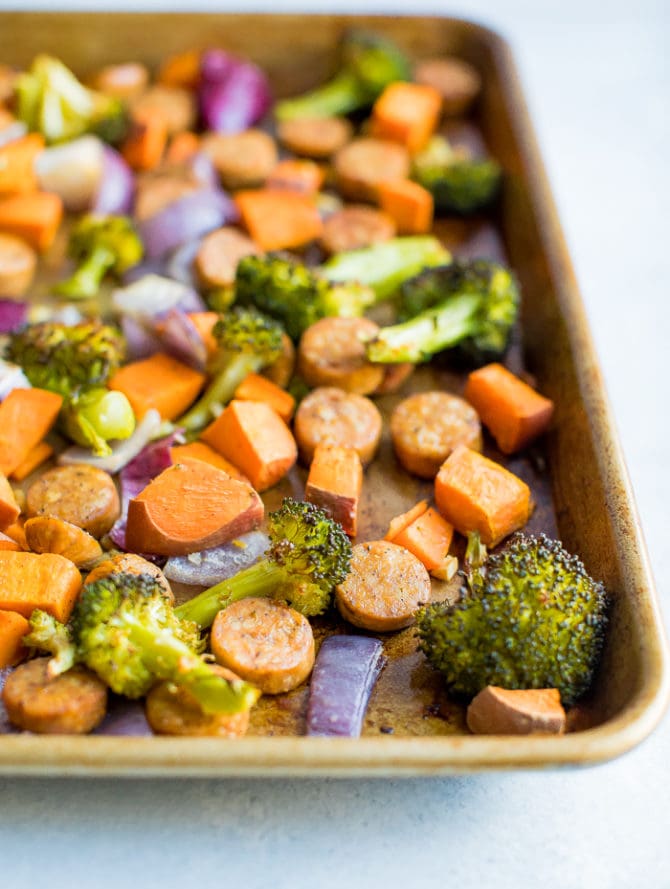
<point>185,220</point>
<point>115,192</point>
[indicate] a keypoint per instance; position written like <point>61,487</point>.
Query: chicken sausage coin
<point>332,353</point>
<point>81,494</point>
<point>332,416</point>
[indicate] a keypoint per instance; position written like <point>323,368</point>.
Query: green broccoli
<point>529,617</point>
<point>459,183</point>
<point>67,358</point>
<point>124,628</point>
<point>101,245</point>
<point>470,304</point>
<point>309,555</point>
<point>51,101</point>
<point>368,64</point>
<point>94,417</point>
<point>248,342</point>
<point>385,266</point>
<point>48,634</point>
<point>295,294</point>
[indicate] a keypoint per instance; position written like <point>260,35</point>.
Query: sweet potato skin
<point>504,711</point>
<point>334,483</point>
<point>190,507</point>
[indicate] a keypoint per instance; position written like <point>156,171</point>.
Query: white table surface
<point>597,80</point>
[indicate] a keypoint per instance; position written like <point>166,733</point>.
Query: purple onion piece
<point>203,169</point>
<point>136,475</point>
<point>12,314</point>
<point>73,170</point>
<point>142,270</point>
<point>141,342</point>
<point>122,451</point>
<point>216,64</point>
<point>185,220</point>
<point>236,101</point>
<point>181,339</point>
<point>219,563</point>
<point>179,267</point>
<point>115,192</point>
<point>124,718</point>
<point>151,297</point>
<point>345,672</point>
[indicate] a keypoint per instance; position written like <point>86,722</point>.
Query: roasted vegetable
<point>97,416</point>
<point>101,245</point>
<point>369,63</point>
<point>125,630</point>
<point>48,634</point>
<point>67,359</point>
<point>528,617</point>
<point>471,304</point>
<point>459,183</point>
<point>248,341</point>
<point>294,293</point>
<point>51,101</point>
<point>309,555</point>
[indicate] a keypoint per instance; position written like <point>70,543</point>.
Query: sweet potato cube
<point>428,537</point>
<point>334,483</point>
<point>474,493</point>
<point>407,113</point>
<point>159,382</point>
<point>47,581</point>
<point>255,437</point>
<point>9,508</point>
<point>13,627</point>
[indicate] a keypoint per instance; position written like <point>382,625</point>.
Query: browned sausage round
<point>426,427</point>
<point>124,81</point>
<point>172,710</point>
<point>81,494</point>
<point>242,160</point>
<point>176,106</point>
<point>332,353</point>
<point>216,260</point>
<point>281,370</point>
<point>315,137</point>
<point>332,416</point>
<point>356,226</point>
<point>394,376</point>
<point>265,642</point>
<point>155,193</point>
<point>128,563</point>
<point>457,82</point>
<point>385,587</point>
<point>17,265</point>
<point>46,534</point>
<point>362,164</point>
<point>71,704</point>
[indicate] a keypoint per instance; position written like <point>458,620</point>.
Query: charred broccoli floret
<point>248,341</point>
<point>53,102</point>
<point>529,617</point>
<point>368,64</point>
<point>459,183</point>
<point>125,630</point>
<point>309,555</point>
<point>67,358</point>
<point>470,304</point>
<point>101,245</point>
<point>295,294</point>
<point>385,266</point>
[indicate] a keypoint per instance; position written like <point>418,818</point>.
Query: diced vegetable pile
<point>241,284</point>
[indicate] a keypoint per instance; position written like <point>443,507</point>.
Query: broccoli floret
<point>385,266</point>
<point>309,555</point>
<point>48,634</point>
<point>94,417</point>
<point>51,101</point>
<point>248,342</point>
<point>101,245</point>
<point>529,617</point>
<point>459,183</point>
<point>67,359</point>
<point>470,304</point>
<point>125,630</point>
<point>295,294</point>
<point>368,64</point>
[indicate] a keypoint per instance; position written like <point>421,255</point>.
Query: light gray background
<point>597,81</point>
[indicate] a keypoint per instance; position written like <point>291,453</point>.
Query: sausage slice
<point>335,417</point>
<point>71,704</point>
<point>175,105</point>
<point>242,160</point>
<point>172,710</point>
<point>265,642</point>
<point>128,563</point>
<point>81,494</point>
<point>457,82</point>
<point>332,353</point>
<point>362,164</point>
<point>217,257</point>
<point>356,226</point>
<point>315,137</point>
<point>385,587</point>
<point>18,261</point>
<point>46,534</point>
<point>426,427</point>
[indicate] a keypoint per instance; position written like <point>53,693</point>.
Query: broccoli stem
<point>85,282</point>
<point>437,328</point>
<point>170,659</point>
<point>261,579</point>
<point>220,391</point>
<point>341,95</point>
